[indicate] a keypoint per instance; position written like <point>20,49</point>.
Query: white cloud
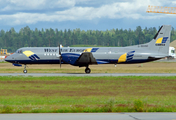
<point>10,5</point>
<point>174,2</point>
<point>116,10</point>
<point>135,9</point>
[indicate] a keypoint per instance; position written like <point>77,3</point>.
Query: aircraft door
<point>112,56</point>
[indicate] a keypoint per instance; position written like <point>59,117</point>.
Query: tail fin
<point>161,41</point>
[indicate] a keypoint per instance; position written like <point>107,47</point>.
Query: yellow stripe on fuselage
<point>28,53</point>
<point>87,50</point>
<point>122,58</point>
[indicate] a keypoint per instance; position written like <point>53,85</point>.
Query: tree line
<point>26,37</point>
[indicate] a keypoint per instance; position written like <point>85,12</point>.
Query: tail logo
<point>161,41</point>
<point>31,55</point>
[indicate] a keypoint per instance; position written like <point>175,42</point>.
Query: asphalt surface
<point>90,116</point>
<point>91,74</point>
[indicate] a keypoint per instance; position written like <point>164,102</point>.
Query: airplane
<point>156,49</point>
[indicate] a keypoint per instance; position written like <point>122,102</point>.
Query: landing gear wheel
<point>24,71</point>
<point>87,70</point>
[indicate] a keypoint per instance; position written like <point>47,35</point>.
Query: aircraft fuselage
<point>70,55</point>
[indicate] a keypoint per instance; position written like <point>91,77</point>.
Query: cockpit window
<point>19,51</point>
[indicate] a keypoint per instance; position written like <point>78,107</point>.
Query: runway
<point>91,75</point>
<point>90,116</point>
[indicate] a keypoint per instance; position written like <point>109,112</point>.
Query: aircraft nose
<point>9,58</point>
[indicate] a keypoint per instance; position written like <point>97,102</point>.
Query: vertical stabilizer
<point>161,41</point>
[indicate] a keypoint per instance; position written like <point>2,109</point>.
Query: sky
<point>83,14</point>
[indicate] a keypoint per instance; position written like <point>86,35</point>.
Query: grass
<point>152,67</point>
<point>87,94</point>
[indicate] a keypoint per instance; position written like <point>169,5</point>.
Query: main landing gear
<point>87,70</point>
<point>24,71</point>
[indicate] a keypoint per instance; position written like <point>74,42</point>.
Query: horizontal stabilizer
<point>156,57</point>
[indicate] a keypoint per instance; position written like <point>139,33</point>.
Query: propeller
<point>60,56</point>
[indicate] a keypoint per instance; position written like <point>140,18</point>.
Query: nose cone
<point>9,59</point>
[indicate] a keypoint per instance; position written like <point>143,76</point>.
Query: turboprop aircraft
<point>156,49</point>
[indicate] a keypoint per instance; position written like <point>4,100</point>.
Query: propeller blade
<point>60,55</point>
<point>59,50</point>
<point>60,61</point>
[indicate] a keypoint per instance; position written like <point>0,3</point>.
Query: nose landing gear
<point>24,71</point>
